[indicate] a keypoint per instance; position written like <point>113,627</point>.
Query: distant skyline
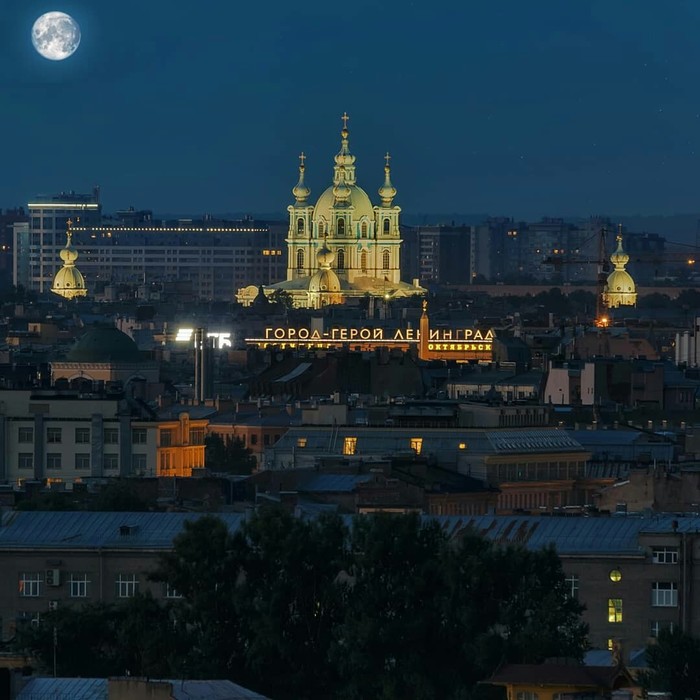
<point>515,109</point>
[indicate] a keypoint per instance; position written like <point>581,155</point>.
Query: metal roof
<point>98,689</point>
<point>570,535</point>
<point>64,689</point>
<point>77,530</point>
<point>320,483</point>
<point>544,440</point>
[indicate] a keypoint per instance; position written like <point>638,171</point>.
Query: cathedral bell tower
<point>301,247</point>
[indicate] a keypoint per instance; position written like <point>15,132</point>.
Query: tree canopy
<point>388,607</point>
<point>673,665</point>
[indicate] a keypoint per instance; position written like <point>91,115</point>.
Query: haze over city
<point>507,108</point>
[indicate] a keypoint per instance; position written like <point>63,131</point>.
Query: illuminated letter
<point>183,335</point>
<point>303,333</point>
<point>365,333</point>
<point>279,333</point>
<point>378,334</point>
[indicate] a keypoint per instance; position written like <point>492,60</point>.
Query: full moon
<point>56,35</point>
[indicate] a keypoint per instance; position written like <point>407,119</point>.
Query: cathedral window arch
<point>363,261</point>
<point>321,228</point>
<point>386,258</point>
<point>341,227</point>
<point>341,259</point>
<point>300,226</point>
<point>300,259</point>
<point>363,229</point>
<point>387,226</point>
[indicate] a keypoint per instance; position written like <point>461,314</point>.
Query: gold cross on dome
<point>345,120</point>
<point>69,223</point>
<point>387,158</point>
<point>302,158</point>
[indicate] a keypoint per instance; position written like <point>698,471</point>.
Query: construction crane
<point>602,263</point>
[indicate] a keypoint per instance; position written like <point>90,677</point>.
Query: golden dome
<point>324,279</point>
<point>620,289</point>
<point>387,191</point>
<point>68,281</point>
<point>356,198</point>
<point>300,191</point>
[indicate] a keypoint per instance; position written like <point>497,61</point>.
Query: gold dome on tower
<point>620,289</point>
<point>69,281</point>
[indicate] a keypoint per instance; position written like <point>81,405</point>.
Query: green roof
<point>104,344</point>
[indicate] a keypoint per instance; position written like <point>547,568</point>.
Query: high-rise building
<point>445,254</point>
<point>38,245</point>
<point>213,257</point>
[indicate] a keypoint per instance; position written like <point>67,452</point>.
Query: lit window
<point>572,585</point>
<point>78,585</point>
<point>127,585</point>
<point>664,555</point>
<point>417,445</point>
<point>615,575</point>
<point>614,609</point>
<point>664,594</point>
<point>349,445</point>
<point>301,442</point>
<point>30,585</point>
<point>611,644</point>
<point>462,445</point>
<point>82,435</point>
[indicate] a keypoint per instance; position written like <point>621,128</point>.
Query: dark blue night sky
<point>512,108</point>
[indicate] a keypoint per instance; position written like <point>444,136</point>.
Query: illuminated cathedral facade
<point>342,246</point>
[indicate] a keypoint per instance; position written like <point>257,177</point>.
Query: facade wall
<point>62,438</point>
<point>215,259</point>
<point>643,611</point>
<point>26,594</point>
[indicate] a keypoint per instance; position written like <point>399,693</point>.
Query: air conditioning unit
<point>53,605</point>
<point>53,577</point>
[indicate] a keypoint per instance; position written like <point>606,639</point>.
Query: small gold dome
<point>300,191</point>
<point>69,281</point>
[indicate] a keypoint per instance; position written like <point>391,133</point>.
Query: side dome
<point>358,199</point>
<point>324,281</point>
<point>104,344</point>
<point>69,282</point>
